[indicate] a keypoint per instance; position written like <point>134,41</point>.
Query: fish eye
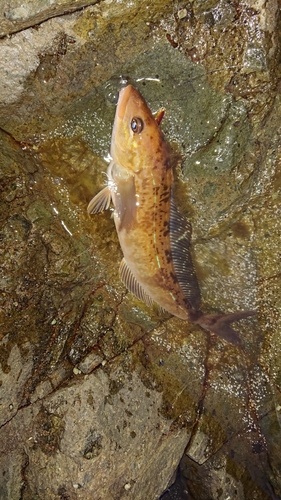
<point>137,125</point>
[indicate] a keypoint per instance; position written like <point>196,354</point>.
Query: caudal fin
<point>220,324</point>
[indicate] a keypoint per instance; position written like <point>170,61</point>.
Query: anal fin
<point>132,283</point>
<point>100,202</point>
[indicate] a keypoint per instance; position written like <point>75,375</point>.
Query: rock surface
<point>101,396</point>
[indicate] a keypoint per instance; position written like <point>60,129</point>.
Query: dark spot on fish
<point>149,120</point>
<point>158,152</point>
<point>174,277</point>
<point>166,199</point>
<point>165,195</point>
<point>167,163</point>
<point>168,254</point>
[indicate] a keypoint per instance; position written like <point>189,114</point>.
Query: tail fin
<point>220,324</point>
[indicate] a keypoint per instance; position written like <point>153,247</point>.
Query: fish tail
<point>220,324</point>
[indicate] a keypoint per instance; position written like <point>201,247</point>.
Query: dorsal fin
<point>159,115</point>
<point>132,284</point>
<point>180,235</point>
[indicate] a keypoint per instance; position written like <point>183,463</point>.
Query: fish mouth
<point>124,95</point>
<point>128,105</point>
<point>118,146</point>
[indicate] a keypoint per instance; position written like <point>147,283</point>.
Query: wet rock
<point>96,425</point>
<point>17,16</point>
<point>101,395</point>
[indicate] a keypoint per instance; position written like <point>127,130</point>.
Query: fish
<point>155,238</point>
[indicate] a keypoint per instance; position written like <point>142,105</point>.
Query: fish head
<point>137,141</point>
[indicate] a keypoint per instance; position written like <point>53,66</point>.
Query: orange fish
<point>155,238</point>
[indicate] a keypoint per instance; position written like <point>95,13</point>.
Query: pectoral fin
<point>125,204</point>
<point>100,202</point>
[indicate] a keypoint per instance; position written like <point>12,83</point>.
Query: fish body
<point>155,239</point>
